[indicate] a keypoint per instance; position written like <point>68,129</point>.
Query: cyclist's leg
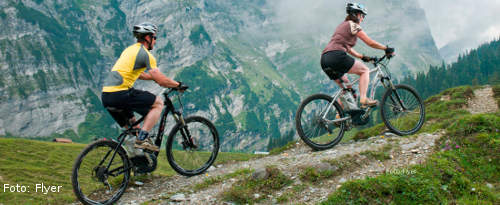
<point>153,114</point>
<point>146,104</point>
<point>363,71</point>
<point>150,106</point>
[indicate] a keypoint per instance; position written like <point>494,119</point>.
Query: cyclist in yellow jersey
<point>118,94</point>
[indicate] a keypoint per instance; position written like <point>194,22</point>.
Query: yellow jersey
<point>132,62</point>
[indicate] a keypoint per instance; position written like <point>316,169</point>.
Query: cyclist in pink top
<point>334,59</point>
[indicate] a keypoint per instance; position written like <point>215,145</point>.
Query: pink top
<point>344,37</point>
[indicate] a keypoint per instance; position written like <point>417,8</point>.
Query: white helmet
<point>143,29</point>
<point>353,8</point>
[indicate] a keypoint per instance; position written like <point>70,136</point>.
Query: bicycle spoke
<point>96,182</point>
<point>314,129</point>
<point>191,160</point>
<point>404,116</point>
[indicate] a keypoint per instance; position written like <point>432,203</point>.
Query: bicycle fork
<point>186,135</point>
<point>398,100</point>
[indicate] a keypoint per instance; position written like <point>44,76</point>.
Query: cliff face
<point>248,62</point>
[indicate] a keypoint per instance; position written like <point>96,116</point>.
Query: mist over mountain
<point>461,25</point>
<point>248,63</point>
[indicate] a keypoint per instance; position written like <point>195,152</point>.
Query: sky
<point>456,25</point>
<point>475,21</point>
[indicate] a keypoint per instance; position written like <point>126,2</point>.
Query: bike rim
<point>405,116</point>
<point>191,159</point>
<point>92,177</point>
<point>314,128</point>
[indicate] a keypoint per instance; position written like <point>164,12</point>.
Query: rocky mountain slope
<point>312,176</point>
<point>248,62</point>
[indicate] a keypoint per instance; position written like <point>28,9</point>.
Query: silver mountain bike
<point>321,120</point>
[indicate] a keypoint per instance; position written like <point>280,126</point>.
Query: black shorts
<point>127,102</point>
<point>336,63</point>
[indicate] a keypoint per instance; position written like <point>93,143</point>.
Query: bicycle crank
<point>359,117</point>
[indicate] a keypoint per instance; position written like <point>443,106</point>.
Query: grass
<point>466,159</point>
<point>457,175</point>
<point>345,163</point>
<point>311,174</point>
<point>381,155</point>
<point>244,190</point>
<point>279,150</point>
<point>218,179</point>
<point>436,111</point>
<point>30,162</point>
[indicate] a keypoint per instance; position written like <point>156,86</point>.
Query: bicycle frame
<point>380,76</point>
<point>169,107</point>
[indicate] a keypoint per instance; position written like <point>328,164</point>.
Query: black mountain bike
<point>321,120</point>
<point>101,172</point>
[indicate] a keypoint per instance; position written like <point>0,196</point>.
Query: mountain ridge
<point>258,68</point>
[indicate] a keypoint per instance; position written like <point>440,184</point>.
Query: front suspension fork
<point>186,135</point>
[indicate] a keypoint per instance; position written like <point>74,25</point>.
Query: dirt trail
<point>402,151</point>
<point>483,101</point>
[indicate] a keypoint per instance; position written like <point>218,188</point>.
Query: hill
<point>453,159</point>
<point>29,162</point>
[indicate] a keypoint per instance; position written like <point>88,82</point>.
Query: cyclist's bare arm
<point>355,53</point>
<point>145,76</point>
<point>370,42</point>
<point>161,79</point>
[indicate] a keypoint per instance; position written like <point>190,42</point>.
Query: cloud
<point>462,20</point>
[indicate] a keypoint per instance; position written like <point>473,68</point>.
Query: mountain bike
<point>321,120</point>
<point>101,172</point>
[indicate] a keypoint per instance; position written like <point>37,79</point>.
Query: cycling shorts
<point>336,63</point>
<point>127,102</point>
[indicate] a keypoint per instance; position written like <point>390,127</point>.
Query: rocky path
<point>398,151</point>
<point>402,152</point>
<point>483,101</point>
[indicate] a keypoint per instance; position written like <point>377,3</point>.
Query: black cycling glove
<point>367,58</point>
<point>389,50</point>
<point>181,86</point>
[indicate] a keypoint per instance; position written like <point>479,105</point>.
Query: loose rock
<point>260,174</point>
<point>178,197</point>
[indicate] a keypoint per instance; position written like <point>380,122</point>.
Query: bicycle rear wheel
<point>188,158</point>
<point>402,110</point>
<point>313,129</point>
<point>93,181</point>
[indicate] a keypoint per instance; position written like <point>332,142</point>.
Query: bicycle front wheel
<point>402,110</point>
<point>313,129</point>
<point>193,148</point>
<point>100,176</point>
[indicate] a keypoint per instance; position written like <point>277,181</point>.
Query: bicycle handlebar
<point>178,89</point>
<point>377,60</point>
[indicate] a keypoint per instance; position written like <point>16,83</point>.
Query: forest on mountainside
<point>477,67</point>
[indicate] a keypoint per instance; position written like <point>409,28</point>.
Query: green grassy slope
<point>29,162</point>
<point>464,169</point>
